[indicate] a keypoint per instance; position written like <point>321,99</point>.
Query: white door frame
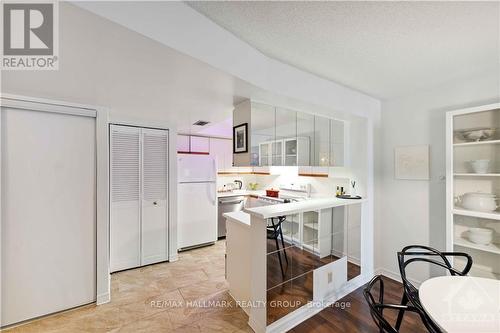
<point>172,171</point>
<point>103,280</point>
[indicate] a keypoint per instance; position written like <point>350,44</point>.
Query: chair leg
<point>404,301</point>
<point>279,256</point>
<point>283,243</point>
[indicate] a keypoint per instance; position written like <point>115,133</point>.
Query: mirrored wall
<point>311,242</point>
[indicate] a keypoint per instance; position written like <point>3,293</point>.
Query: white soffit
<point>182,28</point>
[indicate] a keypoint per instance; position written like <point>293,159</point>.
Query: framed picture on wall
<point>411,162</point>
<point>240,138</point>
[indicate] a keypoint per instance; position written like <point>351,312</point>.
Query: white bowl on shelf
<point>477,201</point>
<point>482,236</point>
<point>480,166</point>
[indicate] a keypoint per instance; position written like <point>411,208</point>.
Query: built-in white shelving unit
<point>473,134</point>
<point>477,174</point>
<point>476,143</point>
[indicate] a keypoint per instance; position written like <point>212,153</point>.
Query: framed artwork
<point>240,138</point>
<point>411,162</point>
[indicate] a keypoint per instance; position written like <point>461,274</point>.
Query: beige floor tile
<point>202,289</point>
<point>167,297</point>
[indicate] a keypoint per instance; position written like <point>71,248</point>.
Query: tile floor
<point>166,297</point>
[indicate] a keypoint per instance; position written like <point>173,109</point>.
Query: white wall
<point>102,63</point>
<point>413,212</point>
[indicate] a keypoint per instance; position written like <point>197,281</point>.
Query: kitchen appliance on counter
<point>197,201</point>
<point>239,184</point>
<point>227,205</point>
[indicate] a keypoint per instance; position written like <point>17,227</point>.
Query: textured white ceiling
<point>384,49</point>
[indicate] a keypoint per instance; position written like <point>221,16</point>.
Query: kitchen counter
<point>238,217</point>
<point>237,193</point>
<point>246,252</point>
<point>266,212</point>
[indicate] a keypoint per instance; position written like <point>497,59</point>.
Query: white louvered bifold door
<point>125,222</point>
<point>154,196</point>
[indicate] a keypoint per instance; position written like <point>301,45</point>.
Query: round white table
<point>462,304</point>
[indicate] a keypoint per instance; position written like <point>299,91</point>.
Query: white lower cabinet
<point>139,201</point>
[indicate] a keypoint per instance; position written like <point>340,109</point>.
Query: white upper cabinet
<point>321,141</point>
<point>200,144</point>
<point>284,137</point>
<point>182,143</point>
<point>262,135</point>
<point>337,142</point>
<point>222,151</point>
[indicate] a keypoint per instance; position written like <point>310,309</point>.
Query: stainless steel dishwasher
<point>227,205</point>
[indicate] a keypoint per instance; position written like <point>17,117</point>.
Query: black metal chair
<point>377,307</point>
<point>274,231</point>
<point>420,253</point>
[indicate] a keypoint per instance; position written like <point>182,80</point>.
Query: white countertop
<point>239,217</point>
<point>266,212</point>
<point>237,193</point>
<point>462,303</point>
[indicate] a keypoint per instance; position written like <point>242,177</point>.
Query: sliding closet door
<point>125,222</point>
<point>154,196</point>
<point>48,213</point>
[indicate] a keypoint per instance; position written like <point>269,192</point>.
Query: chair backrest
<point>275,227</point>
<point>377,306</point>
<point>419,253</point>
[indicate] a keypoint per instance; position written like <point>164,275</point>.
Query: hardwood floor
<point>357,318</point>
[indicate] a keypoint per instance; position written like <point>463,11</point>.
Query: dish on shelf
<point>475,134</point>
<point>477,201</point>
<point>480,166</point>
<point>482,236</point>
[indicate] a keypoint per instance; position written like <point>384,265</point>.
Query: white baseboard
<point>256,327</point>
<point>245,309</point>
<point>395,276</point>
<point>103,298</point>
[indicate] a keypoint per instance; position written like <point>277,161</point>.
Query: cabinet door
<point>277,153</point>
<point>305,135</point>
<point>154,226</point>
<point>217,152</point>
<point>321,141</point>
<point>183,143</point>
<point>265,150</point>
<point>286,135</point>
<point>263,132</point>
<point>221,151</point>
<point>337,143</point>
<point>200,144</point>
<point>125,222</point>
<point>228,154</point>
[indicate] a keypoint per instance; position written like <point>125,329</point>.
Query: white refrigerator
<point>197,200</point>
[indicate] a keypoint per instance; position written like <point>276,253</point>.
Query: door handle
<point>231,202</point>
